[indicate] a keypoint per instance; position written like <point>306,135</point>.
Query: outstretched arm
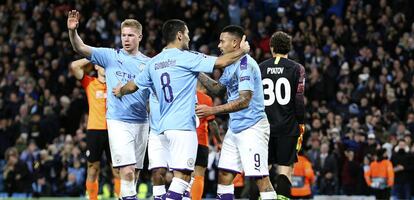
<point>232,57</point>
<point>76,67</point>
<point>216,88</point>
<point>75,40</point>
<point>239,104</point>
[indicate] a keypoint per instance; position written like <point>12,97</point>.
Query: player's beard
<point>186,47</point>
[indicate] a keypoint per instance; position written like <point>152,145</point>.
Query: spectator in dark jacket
<point>326,169</point>
<point>351,174</point>
<point>403,163</point>
<point>16,175</point>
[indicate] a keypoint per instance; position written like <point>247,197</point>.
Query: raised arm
<point>216,88</point>
<point>232,57</point>
<point>77,43</point>
<point>233,106</point>
<point>76,67</point>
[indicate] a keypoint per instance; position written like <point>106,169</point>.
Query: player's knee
<point>285,170</point>
<point>183,174</point>
<point>225,177</point>
<point>158,176</point>
<point>93,171</point>
<point>199,171</point>
<point>115,172</point>
<point>127,173</point>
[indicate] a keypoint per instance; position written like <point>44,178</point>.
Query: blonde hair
<point>132,23</point>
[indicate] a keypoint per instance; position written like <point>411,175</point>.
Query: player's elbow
<point>72,67</point>
<point>82,50</point>
<point>220,90</point>
<point>244,103</point>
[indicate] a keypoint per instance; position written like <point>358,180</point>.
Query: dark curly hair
<point>281,42</point>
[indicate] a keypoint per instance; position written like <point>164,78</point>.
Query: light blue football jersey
<point>120,67</point>
<point>173,74</point>
<point>244,75</point>
<point>154,113</point>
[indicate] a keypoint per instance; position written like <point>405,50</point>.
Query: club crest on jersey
<point>117,158</point>
<point>190,162</point>
<point>141,67</point>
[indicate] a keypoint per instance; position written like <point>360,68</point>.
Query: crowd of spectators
<point>358,55</point>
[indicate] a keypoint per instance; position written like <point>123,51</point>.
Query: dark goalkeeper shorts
<point>282,150</point>
<point>97,143</point>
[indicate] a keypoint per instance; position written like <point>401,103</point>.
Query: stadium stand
<point>359,58</point>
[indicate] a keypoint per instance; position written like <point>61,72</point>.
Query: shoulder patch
<point>243,63</point>
<point>244,78</point>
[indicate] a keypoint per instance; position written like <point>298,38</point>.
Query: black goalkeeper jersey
<point>283,88</point>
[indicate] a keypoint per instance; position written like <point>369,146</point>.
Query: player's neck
<point>173,45</point>
<point>280,55</point>
<point>133,52</point>
<point>101,79</point>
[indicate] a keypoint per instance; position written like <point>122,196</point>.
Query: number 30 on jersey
<point>274,91</point>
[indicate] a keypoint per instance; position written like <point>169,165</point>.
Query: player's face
<point>185,39</point>
<point>228,43</point>
<point>130,38</point>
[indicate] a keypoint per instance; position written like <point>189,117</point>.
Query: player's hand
<point>300,139</point>
<point>73,19</point>
<point>218,147</point>
<point>203,111</point>
<point>245,45</point>
<point>117,90</point>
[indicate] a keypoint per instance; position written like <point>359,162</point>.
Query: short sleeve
<point>246,76</point>
<point>144,78</point>
<point>199,62</point>
<point>102,56</point>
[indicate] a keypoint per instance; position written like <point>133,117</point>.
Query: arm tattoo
<point>212,86</point>
<point>233,106</point>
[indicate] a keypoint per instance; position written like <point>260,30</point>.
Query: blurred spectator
<point>403,163</point>
<point>326,169</point>
<point>71,187</point>
<point>379,176</point>
<point>16,175</point>
<point>302,179</point>
<point>351,175</point>
<point>41,188</point>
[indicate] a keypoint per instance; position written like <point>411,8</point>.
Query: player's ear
<point>235,42</point>
<point>179,35</point>
<point>271,50</point>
